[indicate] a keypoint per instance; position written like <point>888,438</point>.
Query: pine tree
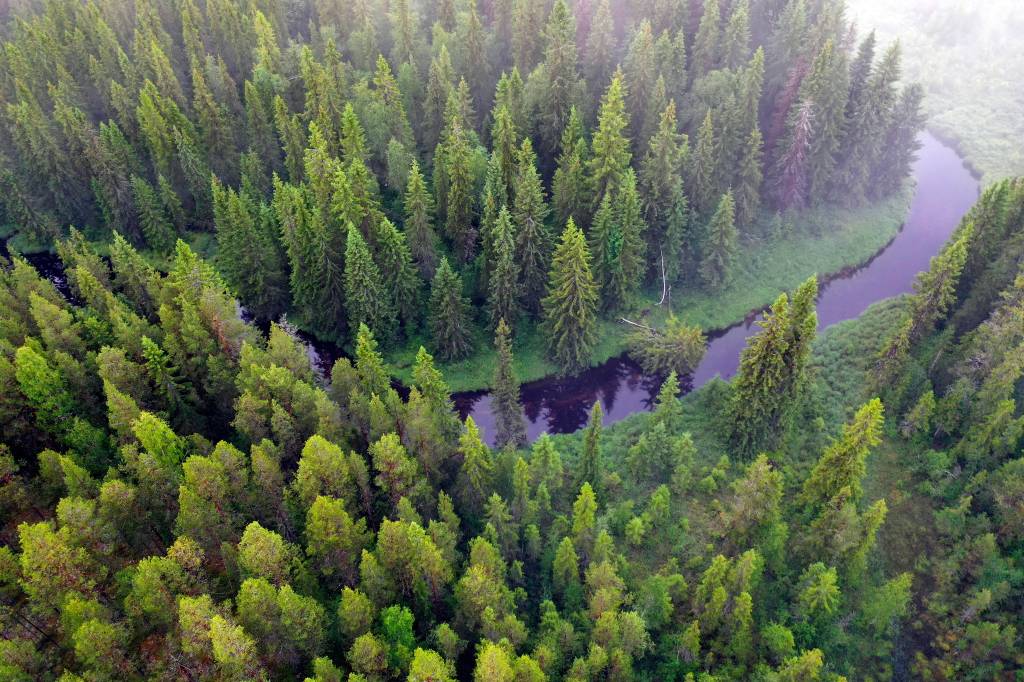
<point>610,155</point>
<point>757,400</point>
<point>720,252</point>
<point>748,181</point>
<point>449,315</point>
<point>533,238</point>
<point>503,283</point>
<point>570,308</point>
<point>418,222</point>
<point>365,298</point>
<point>508,413</point>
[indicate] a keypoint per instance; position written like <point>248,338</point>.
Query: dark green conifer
<point>449,315</point>
<point>570,308</point>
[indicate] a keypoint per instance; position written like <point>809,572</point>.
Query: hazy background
<point>969,56</point>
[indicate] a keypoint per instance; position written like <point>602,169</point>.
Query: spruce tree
<point>791,167</point>
<point>366,300</point>
<point>611,154</point>
<point>704,168</point>
<point>394,258</point>
<point>590,460</point>
<point>153,221</point>
<point>660,171</point>
<point>748,181</point>
<point>632,263</point>
<point>720,250</point>
<point>449,315</point>
<point>459,206</point>
<point>757,400</point>
<point>707,43</point>
<point>600,47</point>
<point>503,283</point>
<point>418,222</point>
<point>570,308</point>
<point>605,243</point>
<point>842,466</point>
<point>570,196</point>
<point>560,64</point>
<point>508,413</point>
<point>533,237</point>
<point>248,252</point>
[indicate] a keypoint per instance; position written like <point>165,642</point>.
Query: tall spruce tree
<point>533,237</point>
<point>366,300</point>
<point>590,460</point>
<point>570,195</point>
<point>704,168</point>
<point>503,283</point>
<point>508,413</point>
<point>757,400</point>
<point>749,178</point>
<point>418,222</point>
<point>449,315</point>
<point>561,66</point>
<point>394,257</point>
<point>632,265</point>
<point>720,250</point>
<point>611,154</point>
<point>570,308</point>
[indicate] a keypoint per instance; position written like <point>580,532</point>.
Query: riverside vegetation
<point>183,497</point>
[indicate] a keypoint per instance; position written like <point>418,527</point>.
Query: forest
<point>434,187</point>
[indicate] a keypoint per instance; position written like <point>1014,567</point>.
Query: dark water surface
<point>945,191</point>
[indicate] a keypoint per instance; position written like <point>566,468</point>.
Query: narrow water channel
<point>945,191</point>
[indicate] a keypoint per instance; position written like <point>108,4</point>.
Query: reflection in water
<point>944,193</point>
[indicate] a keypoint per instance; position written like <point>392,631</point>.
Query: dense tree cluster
<point>183,497</point>
<point>343,151</point>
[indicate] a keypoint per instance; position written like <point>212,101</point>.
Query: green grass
<point>969,60</point>
<point>820,241</point>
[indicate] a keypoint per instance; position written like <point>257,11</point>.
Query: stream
<point>945,191</point>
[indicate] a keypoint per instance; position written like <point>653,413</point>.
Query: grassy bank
<point>820,241</point>
<point>969,58</point>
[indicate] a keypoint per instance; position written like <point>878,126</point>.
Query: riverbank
<point>819,241</point>
<point>978,111</point>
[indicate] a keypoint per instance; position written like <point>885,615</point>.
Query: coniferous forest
<point>186,493</point>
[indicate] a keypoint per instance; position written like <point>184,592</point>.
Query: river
<point>945,190</point>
